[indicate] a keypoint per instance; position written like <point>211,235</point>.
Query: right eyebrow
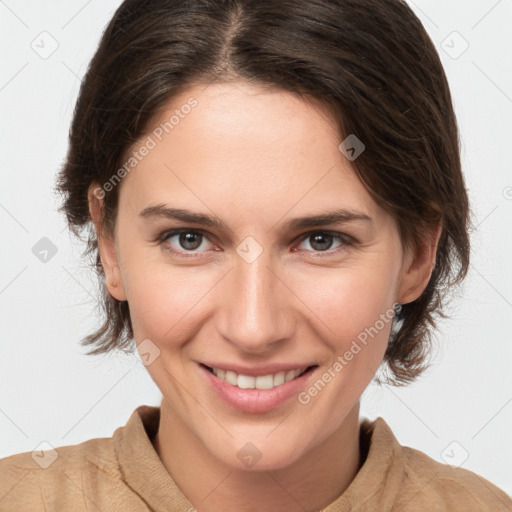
<point>163,211</point>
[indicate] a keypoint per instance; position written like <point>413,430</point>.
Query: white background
<point>49,390</point>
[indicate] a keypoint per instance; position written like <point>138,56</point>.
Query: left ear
<point>418,265</point>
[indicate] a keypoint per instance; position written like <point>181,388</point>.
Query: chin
<point>256,452</point>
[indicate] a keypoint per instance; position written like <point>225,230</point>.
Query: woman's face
<point>257,292</point>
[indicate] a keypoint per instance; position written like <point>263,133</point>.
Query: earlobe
<point>106,245</point>
<point>419,264</point>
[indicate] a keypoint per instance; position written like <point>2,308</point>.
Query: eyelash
<point>341,237</point>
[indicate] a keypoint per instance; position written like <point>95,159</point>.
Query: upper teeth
<point>260,382</point>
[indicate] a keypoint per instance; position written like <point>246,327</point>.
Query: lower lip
<point>256,400</point>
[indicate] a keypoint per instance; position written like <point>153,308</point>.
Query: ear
<point>418,266</point>
<point>106,244</point>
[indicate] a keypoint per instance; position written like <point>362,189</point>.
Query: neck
<point>310,483</point>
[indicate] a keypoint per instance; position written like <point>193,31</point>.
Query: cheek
<point>353,316</point>
<point>162,297</point>
<point>349,304</point>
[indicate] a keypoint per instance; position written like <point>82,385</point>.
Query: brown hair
<point>371,62</point>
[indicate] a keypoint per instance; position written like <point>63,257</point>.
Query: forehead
<point>245,146</point>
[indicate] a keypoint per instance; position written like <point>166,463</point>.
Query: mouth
<point>261,382</point>
<point>267,389</point>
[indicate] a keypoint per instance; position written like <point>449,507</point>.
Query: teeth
<point>279,379</point>
<point>260,382</point>
<point>290,375</point>
<point>264,382</point>
<point>231,378</point>
<point>246,382</point>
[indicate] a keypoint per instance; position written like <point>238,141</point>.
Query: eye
<point>194,242</point>
<point>187,241</point>
<point>322,241</point>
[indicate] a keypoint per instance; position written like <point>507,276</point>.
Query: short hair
<point>370,62</point>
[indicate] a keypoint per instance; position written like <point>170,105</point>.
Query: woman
<point>278,210</point>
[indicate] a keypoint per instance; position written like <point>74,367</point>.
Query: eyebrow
<point>341,215</point>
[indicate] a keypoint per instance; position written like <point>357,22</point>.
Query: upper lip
<point>256,371</point>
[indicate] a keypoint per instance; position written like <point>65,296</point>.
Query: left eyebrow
<point>333,217</point>
<point>341,215</point>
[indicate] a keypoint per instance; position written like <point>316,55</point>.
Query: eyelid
<point>335,234</point>
<point>169,233</point>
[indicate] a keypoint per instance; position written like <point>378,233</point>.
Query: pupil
<point>318,239</point>
<point>187,240</point>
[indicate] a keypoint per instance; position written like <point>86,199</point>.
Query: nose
<point>257,306</point>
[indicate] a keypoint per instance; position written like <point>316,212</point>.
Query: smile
<point>266,389</point>
<point>261,382</point>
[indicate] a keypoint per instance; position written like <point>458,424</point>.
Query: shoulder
<point>438,486</point>
<point>37,477</point>
<point>86,476</point>
<point>401,478</point>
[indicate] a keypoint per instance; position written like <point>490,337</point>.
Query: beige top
<point>124,473</point>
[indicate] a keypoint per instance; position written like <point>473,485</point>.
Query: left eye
<point>322,241</point>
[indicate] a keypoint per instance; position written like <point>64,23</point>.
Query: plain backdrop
<point>460,411</point>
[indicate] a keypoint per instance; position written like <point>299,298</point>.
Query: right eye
<point>189,240</point>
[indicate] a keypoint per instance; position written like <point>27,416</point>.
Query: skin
<point>256,158</point>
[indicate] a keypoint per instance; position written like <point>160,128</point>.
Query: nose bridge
<point>255,306</point>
